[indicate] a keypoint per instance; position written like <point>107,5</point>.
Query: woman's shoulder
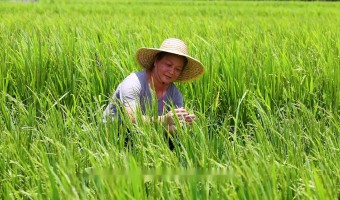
<point>135,79</point>
<point>174,90</point>
<point>136,76</point>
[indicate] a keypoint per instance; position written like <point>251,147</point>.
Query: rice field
<point>268,106</point>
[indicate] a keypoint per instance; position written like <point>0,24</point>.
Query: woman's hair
<point>161,55</point>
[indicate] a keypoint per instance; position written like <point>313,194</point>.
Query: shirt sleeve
<point>129,91</point>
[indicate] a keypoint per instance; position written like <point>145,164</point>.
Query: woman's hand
<point>182,115</point>
<point>190,118</point>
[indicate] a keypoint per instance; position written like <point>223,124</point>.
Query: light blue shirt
<point>135,90</point>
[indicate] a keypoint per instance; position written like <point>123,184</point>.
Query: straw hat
<point>192,70</point>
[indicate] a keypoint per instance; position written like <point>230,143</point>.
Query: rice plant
<point>267,107</point>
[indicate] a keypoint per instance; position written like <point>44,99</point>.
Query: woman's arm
<point>167,120</point>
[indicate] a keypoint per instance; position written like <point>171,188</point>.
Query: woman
<point>162,66</point>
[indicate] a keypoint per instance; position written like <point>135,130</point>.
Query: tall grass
<point>267,106</point>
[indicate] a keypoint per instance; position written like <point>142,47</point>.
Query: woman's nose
<point>171,71</point>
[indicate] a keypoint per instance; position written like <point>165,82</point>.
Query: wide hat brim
<point>192,70</point>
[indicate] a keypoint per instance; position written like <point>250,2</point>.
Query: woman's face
<point>168,68</point>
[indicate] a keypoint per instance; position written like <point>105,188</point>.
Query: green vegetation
<point>268,104</point>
